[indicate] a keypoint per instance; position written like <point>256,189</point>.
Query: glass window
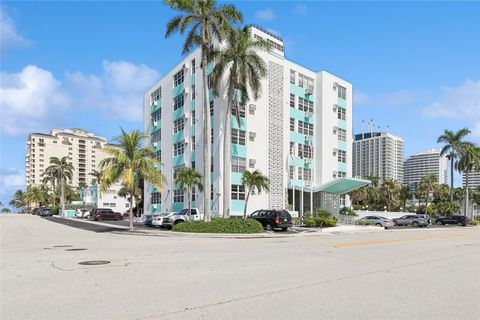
<point>292,124</point>
<point>156,198</point>
<point>193,117</point>
<point>238,136</point>
<point>305,128</point>
<point>178,148</point>
<point>159,155</point>
<point>238,164</point>
<point>193,92</point>
<point>342,92</point>
<point>156,95</point>
<point>342,156</point>
<point>307,174</point>
<point>193,142</point>
<point>178,102</point>
<point>178,78</point>
<point>156,135</point>
<point>193,66</point>
<point>292,100</point>
<point>241,111</point>
<point>292,148</point>
<point>342,134</point>
<point>176,170</point>
<point>291,171</point>
<point>341,113</point>
<point>305,105</point>
<point>178,124</point>
<point>156,116</point>
<point>238,192</point>
<point>300,173</point>
<point>292,76</point>
<point>178,196</point>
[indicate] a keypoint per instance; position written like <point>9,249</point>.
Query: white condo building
<point>473,179</point>
<point>378,154</point>
<point>425,163</point>
<point>298,133</point>
<point>83,149</point>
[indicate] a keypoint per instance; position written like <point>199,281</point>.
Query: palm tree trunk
<point>62,196</point>
<point>189,204</point>
<point>130,213</point>
<point>246,204</point>
<point>206,135</point>
<point>226,163</point>
<point>466,193</point>
<point>451,177</point>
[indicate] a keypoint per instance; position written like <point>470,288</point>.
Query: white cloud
<point>30,100</point>
<point>118,91</point>
<point>10,181</point>
<point>9,36</point>
<point>265,15</point>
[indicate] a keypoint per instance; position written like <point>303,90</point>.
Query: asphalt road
<point>408,274</point>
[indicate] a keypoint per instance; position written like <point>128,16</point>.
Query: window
<point>193,165</point>
<point>193,92</point>
<point>238,164</point>
<point>307,174</point>
<point>178,124</point>
<point>292,124</point>
<point>193,193</point>
<point>240,111</point>
<point>342,134</point>
<point>341,113</point>
<point>292,148</point>
<point>305,128</point>
<point>193,117</point>
<point>238,137</point>
<point>193,66</point>
<point>178,102</point>
<point>209,81</point>
<point>178,196</point>
<point>291,172</point>
<point>300,173</point>
<point>305,82</point>
<point>275,45</point>
<point>342,156</point>
<point>178,148</point>
<point>305,105</point>
<point>292,100</point>
<point>159,155</point>
<point>238,192</point>
<point>156,198</point>
<point>211,135</point>
<point>305,151</point>
<point>342,174</point>
<point>342,92</point>
<point>193,142</point>
<point>156,136</point>
<point>176,170</point>
<point>211,108</point>
<point>156,116</point>
<point>292,76</point>
<point>156,95</point>
<point>178,78</point>
<point>211,165</point>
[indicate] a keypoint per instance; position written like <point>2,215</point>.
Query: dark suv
<point>458,220</point>
<point>44,212</point>
<point>273,219</point>
<point>104,214</point>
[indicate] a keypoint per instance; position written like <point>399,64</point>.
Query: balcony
<point>41,144</point>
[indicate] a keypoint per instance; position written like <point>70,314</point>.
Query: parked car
<point>376,221</point>
<point>80,213</point>
<point>458,220</point>
<point>410,220</point>
<point>273,219</point>
<point>104,214</point>
<point>173,218</point>
<point>425,216</point>
<point>156,219</point>
<point>44,212</point>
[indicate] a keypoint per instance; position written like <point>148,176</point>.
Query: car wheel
<point>459,224</point>
<point>439,223</point>
<point>100,219</point>
<point>284,229</point>
<point>378,224</point>
<point>395,223</point>
<point>269,227</point>
<point>415,224</point>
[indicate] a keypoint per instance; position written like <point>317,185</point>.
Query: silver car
<point>411,220</point>
<point>378,221</point>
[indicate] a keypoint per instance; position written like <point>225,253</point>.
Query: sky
<point>414,66</point>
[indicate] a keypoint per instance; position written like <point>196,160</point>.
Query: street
<point>406,274</point>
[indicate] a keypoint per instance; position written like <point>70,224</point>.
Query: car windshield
<point>383,218</point>
<point>183,212</point>
<point>283,214</point>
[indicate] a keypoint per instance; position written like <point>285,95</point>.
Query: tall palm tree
<point>188,179</point>
<point>253,181</point>
<point>208,24</point>
<point>239,61</point>
<point>427,184</point>
<point>469,161</point>
<point>50,178</point>
<point>97,176</point>
<point>35,195</point>
<point>129,161</point>
<point>18,200</point>
<point>453,142</point>
<point>391,191</point>
<point>405,195</point>
<point>62,170</point>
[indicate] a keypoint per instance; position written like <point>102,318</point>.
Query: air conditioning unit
<point>307,160</point>
<point>155,144</point>
<point>335,107</point>
<point>186,140</point>
<point>154,206</point>
<point>308,184</point>
<point>186,115</point>
<point>335,85</point>
<point>335,151</point>
<point>308,114</point>
<point>308,138</point>
<point>186,65</point>
<point>252,135</point>
<point>252,162</point>
<point>251,108</point>
<point>186,90</point>
<point>308,91</point>
<point>155,123</point>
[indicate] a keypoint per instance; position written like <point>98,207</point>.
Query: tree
<point>188,179</point>
<point>427,184</point>
<point>453,142</point>
<point>97,177</point>
<point>405,195</point>
<point>5,210</point>
<point>208,24</point>
<point>50,178</point>
<point>239,61</point>
<point>253,181</point>
<point>137,192</point>
<point>358,196</point>
<point>391,191</point>
<point>18,199</point>
<point>469,161</point>
<point>129,161</point>
<point>35,195</point>
<point>62,170</point>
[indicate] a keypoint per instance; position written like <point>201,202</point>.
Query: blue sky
<point>415,66</point>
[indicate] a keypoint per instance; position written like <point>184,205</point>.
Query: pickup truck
<point>182,216</point>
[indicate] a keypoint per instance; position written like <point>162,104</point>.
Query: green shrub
<point>310,223</point>
<point>347,211</point>
<point>307,214</point>
<point>320,222</point>
<point>323,213</point>
<point>358,207</point>
<point>220,225</point>
<point>474,222</point>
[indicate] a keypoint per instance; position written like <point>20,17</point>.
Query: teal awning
<point>342,185</point>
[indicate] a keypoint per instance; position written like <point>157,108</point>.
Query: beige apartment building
<point>83,149</point>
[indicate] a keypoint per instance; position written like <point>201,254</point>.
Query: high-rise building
<point>425,163</point>
<point>83,149</point>
<point>298,133</point>
<point>378,154</point>
<point>473,179</point>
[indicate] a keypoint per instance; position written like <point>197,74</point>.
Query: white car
<point>80,213</point>
<point>156,220</point>
<point>174,218</point>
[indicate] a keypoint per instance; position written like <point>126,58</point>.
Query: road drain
<point>63,246</point>
<point>94,262</point>
<point>75,249</point>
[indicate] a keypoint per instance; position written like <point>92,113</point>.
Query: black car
<point>105,214</point>
<point>458,220</point>
<point>43,212</point>
<point>273,219</point>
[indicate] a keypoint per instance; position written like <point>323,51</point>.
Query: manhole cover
<point>94,262</point>
<point>63,246</point>
<point>75,249</point>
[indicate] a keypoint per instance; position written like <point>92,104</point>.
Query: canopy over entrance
<point>342,185</point>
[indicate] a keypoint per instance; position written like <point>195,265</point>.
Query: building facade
<point>473,179</point>
<point>83,149</point>
<point>108,199</point>
<point>298,133</point>
<point>425,163</point>
<point>378,154</point>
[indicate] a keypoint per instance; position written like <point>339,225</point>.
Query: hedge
<point>220,225</point>
<point>320,222</point>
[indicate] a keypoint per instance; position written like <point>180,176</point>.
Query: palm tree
<point>128,162</point>
<point>62,170</point>
<point>188,179</point>
<point>35,195</point>
<point>405,195</point>
<point>244,69</point>
<point>18,200</point>
<point>453,142</point>
<point>469,161</point>
<point>97,177</point>
<point>253,181</point>
<point>391,190</point>
<point>208,23</point>
<point>427,184</point>
<point>50,178</point>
